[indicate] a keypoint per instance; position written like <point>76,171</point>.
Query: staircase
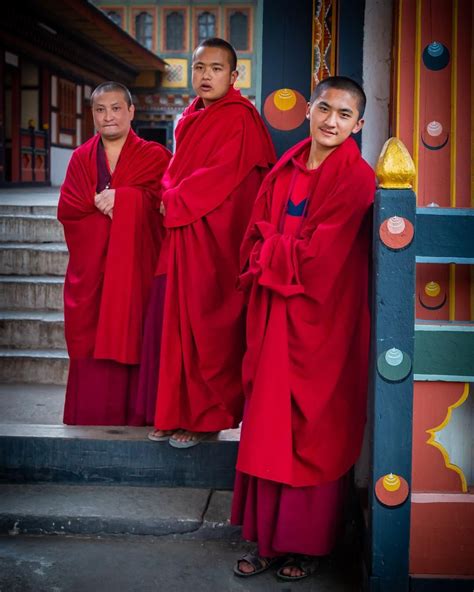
<point>33,259</point>
<point>47,468</point>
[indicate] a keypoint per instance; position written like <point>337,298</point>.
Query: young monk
<point>305,263</point>
<point>108,207</point>
<point>223,152</point>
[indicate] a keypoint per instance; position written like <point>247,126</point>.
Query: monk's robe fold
<point>111,262</point>
<point>306,366</point>
<point>223,152</point>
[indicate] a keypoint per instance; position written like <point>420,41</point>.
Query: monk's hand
<point>105,201</point>
<point>162,209</point>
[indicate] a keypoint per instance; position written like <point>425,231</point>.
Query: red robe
<point>111,262</point>
<point>306,366</point>
<point>222,155</point>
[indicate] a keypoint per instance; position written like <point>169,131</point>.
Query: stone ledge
<point>93,510</point>
<point>112,455</point>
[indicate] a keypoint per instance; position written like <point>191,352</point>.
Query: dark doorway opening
<point>155,134</point>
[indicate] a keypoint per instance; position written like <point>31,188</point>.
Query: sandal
<point>166,435</point>
<point>305,563</point>
<point>258,563</point>
<point>196,438</point>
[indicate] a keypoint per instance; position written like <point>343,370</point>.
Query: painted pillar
<point>286,69</point>
<point>392,371</point>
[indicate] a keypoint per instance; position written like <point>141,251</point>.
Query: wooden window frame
<point>197,10</point>
<point>66,113</point>
<point>228,10</point>
<point>151,10</point>
<point>165,11</point>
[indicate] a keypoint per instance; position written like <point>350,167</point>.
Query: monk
<point>109,209</point>
<point>223,152</point>
<point>305,267</point>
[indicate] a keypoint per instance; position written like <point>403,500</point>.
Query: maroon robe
<point>223,152</point>
<point>306,366</point>
<point>110,270</point>
<point>306,258</point>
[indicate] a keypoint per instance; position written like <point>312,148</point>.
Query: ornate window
<point>174,31</point>
<point>115,17</point>
<point>206,26</point>
<point>238,29</point>
<point>144,29</point>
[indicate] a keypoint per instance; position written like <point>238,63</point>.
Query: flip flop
<point>259,564</point>
<point>151,436</point>
<point>304,563</point>
<point>197,439</point>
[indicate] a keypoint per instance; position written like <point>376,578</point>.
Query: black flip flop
<point>260,564</point>
<point>304,563</point>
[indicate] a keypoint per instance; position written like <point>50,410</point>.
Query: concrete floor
<point>41,404</point>
<point>146,564</point>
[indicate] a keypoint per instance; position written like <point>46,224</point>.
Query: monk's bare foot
<point>297,567</point>
<point>187,436</point>
<point>252,563</point>
<point>157,435</point>
<point>188,439</point>
<point>293,572</point>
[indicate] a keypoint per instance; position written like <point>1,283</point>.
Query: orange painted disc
<point>396,233</point>
<point>392,490</point>
<point>285,109</point>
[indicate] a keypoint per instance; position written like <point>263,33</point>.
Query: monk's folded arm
<point>310,265</point>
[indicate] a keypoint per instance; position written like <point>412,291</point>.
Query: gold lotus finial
<point>395,168</point>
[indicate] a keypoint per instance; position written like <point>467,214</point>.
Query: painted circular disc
<point>394,365</point>
<point>436,56</point>
<point>433,296</point>
<point>396,233</point>
<point>285,109</point>
<point>434,136</point>
<point>391,496</point>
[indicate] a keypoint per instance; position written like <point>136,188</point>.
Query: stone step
<point>32,330</point>
<point>52,508</point>
<point>33,366</point>
<point>33,259</point>
<point>30,210</point>
<point>112,455</point>
<point>31,292</point>
<point>30,228</point>
<point>32,403</point>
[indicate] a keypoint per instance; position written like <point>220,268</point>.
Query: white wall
<point>59,161</point>
<point>376,75</point>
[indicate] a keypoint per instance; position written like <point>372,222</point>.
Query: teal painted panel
<point>446,352</point>
<point>445,235</point>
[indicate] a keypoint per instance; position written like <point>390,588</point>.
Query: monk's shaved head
<point>342,83</point>
<point>221,44</point>
<point>111,86</point>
